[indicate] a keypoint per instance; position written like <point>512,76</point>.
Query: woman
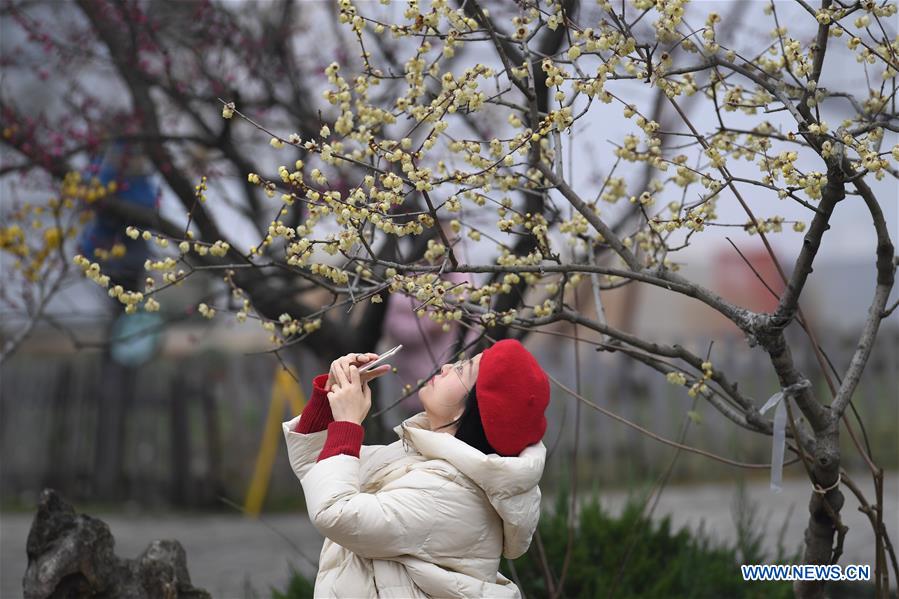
<point>431,514</point>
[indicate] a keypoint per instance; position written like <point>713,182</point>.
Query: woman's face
<point>443,396</point>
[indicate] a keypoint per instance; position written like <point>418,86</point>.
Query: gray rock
<point>71,555</point>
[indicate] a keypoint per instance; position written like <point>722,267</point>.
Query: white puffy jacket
<point>426,516</point>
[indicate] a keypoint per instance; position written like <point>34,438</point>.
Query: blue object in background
<point>124,164</point>
<point>135,338</point>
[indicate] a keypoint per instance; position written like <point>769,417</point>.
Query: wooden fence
<point>191,426</point>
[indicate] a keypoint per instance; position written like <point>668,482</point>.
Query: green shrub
<point>629,556</point>
<point>641,558</point>
<point>298,587</point>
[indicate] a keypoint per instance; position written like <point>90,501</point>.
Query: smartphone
<point>381,359</point>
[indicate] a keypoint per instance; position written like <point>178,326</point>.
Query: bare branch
<point>581,206</point>
<point>886,272</point>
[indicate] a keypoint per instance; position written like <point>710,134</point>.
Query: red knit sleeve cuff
<point>343,438</point>
<point>317,413</point>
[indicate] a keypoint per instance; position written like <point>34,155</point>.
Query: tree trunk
<point>824,510</point>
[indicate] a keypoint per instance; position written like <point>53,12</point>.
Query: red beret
<point>512,392</point>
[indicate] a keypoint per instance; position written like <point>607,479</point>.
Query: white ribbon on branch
<point>778,401</point>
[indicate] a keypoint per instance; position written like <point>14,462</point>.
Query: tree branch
<point>581,206</point>
<point>886,272</point>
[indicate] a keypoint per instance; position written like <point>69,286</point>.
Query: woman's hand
<point>350,397</point>
<point>344,362</point>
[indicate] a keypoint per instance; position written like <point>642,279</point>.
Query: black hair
<point>471,430</point>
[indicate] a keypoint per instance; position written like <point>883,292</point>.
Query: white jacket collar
<point>497,475</point>
<point>510,483</point>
